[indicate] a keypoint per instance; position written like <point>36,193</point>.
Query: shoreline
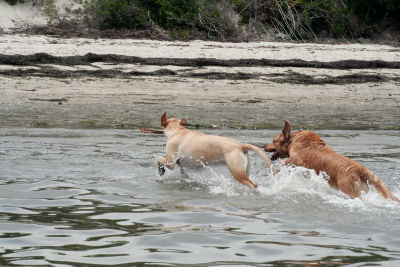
<point>24,44</point>
<point>232,85</point>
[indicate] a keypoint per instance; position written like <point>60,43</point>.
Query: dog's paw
<point>161,170</point>
<point>256,189</point>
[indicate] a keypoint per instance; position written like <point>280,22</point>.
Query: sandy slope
<point>23,44</point>
<point>51,95</point>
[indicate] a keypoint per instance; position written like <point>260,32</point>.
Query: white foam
<point>289,182</point>
<point>216,179</point>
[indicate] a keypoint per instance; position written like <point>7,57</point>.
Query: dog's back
<point>309,150</point>
<point>183,143</point>
<point>198,145</point>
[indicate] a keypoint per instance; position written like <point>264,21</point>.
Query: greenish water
<point>94,197</point>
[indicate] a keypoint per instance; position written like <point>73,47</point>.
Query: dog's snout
<point>269,148</point>
<point>275,156</point>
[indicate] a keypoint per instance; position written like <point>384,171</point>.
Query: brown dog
<point>307,149</point>
<point>200,147</point>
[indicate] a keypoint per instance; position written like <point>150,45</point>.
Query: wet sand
<point>359,88</point>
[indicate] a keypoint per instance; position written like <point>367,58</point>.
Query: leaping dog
<point>307,149</point>
<point>200,147</point>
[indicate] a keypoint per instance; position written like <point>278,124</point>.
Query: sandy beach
<point>99,83</point>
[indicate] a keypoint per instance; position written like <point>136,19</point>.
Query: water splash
<point>283,183</point>
<point>215,179</point>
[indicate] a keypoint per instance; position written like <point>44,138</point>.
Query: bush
<point>138,14</point>
<point>180,17</point>
<point>14,2</point>
<point>236,19</point>
<point>219,18</point>
<point>113,14</point>
<point>373,12</point>
<point>170,14</point>
<point>349,18</point>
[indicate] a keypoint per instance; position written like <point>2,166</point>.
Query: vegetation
<point>14,2</point>
<point>232,19</point>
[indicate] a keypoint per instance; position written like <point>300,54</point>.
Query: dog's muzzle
<point>275,156</point>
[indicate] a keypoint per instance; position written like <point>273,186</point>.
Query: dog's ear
<point>286,130</point>
<point>164,120</point>
<point>183,122</point>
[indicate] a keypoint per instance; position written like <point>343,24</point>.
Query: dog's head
<point>172,123</point>
<point>280,143</point>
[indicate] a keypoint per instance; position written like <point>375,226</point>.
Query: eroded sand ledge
<point>50,82</point>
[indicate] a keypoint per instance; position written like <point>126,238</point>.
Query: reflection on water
<point>82,197</point>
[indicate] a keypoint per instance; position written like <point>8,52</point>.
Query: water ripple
<point>93,197</point>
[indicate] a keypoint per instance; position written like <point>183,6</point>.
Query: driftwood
<point>153,131</point>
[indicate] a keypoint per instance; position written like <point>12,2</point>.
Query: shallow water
<point>82,197</point>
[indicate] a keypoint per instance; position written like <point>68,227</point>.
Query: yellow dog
<point>200,147</point>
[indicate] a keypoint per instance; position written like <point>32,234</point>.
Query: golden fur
<point>307,149</point>
<point>197,146</point>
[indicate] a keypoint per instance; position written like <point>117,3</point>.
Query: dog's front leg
<point>168,162</point>
<point>161,163</point>
<point>276,168</point>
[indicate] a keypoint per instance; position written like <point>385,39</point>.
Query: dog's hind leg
<point>351,185</point>
<point>238,163</point>
<point>183,172</point>
<point>247,163</point>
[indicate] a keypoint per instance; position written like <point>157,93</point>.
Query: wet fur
<point>307,149</point>
<point>197,146</point>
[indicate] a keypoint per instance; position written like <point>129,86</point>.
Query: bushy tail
<point>378,184</point>
<point>259,152</point>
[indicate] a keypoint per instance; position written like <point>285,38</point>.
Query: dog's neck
<point>305,139</point>
<point>285,149</point>
<point>169,133</point>
<point>288,143</point>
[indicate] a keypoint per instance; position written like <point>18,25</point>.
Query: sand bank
<point>103,93</point>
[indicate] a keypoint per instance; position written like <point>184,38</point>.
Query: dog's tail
<point>378,184</point>
<point>259,152</point>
